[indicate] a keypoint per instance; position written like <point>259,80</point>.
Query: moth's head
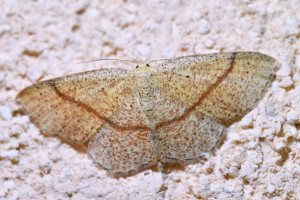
<point>143,67</point>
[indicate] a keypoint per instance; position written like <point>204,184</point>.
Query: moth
<point>172,112</point>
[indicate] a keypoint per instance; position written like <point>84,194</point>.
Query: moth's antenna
<point>157,60</point>
<point>109,59</point>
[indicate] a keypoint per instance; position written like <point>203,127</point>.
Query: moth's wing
<point>101,105</point>
<point>187,140</point>
<point>222,86</point>
<point>77,105</point>
<point>125,145</point>
<point>219,87</point>
<point>123,152</point>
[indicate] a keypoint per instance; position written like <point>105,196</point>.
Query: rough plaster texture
<point>259,158</point>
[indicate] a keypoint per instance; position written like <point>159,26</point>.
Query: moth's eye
<point>136,66</point>
<point>147,65</point>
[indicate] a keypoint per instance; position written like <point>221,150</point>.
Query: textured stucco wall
<point>259,158</point>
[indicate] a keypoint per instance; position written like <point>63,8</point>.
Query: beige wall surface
<point>259,157</point>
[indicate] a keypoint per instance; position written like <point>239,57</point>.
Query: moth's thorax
<point>145,90</point>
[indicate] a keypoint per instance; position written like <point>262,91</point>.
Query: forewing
<point>75,106</point>
<point>223,86</point>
